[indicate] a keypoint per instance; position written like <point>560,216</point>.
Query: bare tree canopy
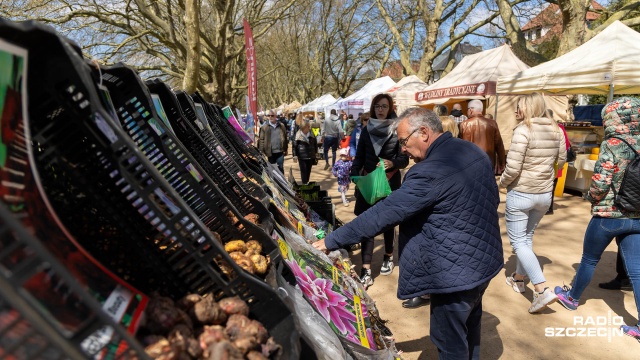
<point>304,48</point>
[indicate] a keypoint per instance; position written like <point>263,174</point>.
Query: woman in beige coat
<point>537,149</point>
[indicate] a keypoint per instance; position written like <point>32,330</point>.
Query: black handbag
<point>571,154</point>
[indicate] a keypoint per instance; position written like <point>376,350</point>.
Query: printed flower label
<point>320,283</point>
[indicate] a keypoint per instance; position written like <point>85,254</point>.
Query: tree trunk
<point>515,36</point>
<point>574,29</point>
<point>192,26</point>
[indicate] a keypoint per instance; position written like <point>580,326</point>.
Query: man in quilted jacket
<point>449,243</point>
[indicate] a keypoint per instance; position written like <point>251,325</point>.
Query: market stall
<point>138,223</point>
<point>318,105</point>
<point>475,77</point>
<point>360,101</point>
<point>606,65</point>
<point>403,93</point>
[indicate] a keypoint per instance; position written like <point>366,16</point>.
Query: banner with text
<point>481,89</point>
<point>252,77</point>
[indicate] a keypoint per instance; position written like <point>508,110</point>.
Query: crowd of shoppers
<point>446,207</point>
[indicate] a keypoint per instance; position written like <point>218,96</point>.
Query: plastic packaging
<point>374,186</point>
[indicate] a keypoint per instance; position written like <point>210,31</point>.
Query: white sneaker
<point>541,301</point>
<point>387,265</point>
<point>517,285</point>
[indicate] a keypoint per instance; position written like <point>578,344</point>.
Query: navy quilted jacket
<point>447,210</point>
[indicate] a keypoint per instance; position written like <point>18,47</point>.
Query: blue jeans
<point>455,323</point>
<point>330,142</point>
<point>278,159</point>
<point>523,212</point>
<point>598,236</point>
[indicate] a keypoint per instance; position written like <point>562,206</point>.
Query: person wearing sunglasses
<point>273,140</point>
<point>449,244</point>
<point>378,140</point>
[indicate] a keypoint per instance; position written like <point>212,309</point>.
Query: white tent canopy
<point>474,77</point>
<point>611,58</point>
<point>360,101</point>
<point>318,104</point>
<point>403,93</point>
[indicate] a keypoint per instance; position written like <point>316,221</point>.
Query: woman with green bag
<point>378,140</point>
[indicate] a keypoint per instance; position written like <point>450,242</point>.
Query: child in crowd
<point>341,170</point>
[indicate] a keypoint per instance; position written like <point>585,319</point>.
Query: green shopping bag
<point>374,186</point>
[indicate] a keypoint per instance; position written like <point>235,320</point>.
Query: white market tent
<point>403,93</point>
<point>606,64</point>
<point>475,77</point>
<point>318,104</point>
<point>360,101</point>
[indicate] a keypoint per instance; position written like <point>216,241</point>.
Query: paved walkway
<point>508,330</point>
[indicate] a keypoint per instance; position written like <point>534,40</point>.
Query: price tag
<point>286,203</point>
<point>347,268</point>
<point>362,331</point>
<point>334,273</point>
<point>300,228</point>
<point>284,249</point>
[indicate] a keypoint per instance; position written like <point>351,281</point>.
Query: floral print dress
<point>341,170</point>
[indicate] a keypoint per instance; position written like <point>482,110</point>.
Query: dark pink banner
<point>252,77</point>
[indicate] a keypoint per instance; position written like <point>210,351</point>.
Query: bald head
<point>456,107</point>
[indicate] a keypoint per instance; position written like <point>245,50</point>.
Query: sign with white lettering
<point>481,89</point>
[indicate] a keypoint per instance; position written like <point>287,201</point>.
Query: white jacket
<point>532,156</point>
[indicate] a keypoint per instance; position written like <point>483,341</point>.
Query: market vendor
<point>449,244</point>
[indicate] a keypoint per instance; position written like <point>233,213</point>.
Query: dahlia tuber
<point>211,335</point>
<point>260,264</point>
<point>235,245</point>
<point>254,355</point>
<point>208,311</point>
<point>271,348</point>
<point>187,302</point>
<point>222,351</point>
<point>245,344</point>
<point>253,218</point>
<point>162,315</point>
<point>240,326</point>
<point>254,245</point>
<point>234,305</point>
<point>243,261</point>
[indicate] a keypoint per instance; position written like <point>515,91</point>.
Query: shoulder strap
<point>629,145</point>
<point>615,193</point>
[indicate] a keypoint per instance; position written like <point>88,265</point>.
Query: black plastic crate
<point>139,120</point>
<point>225,158</point>
<point>245,195</point>
<point>27,329</point>
<point>98,183</point>
<point>235,147</point>
<point>226,130</point>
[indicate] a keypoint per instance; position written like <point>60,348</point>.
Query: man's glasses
<point>381,107</point>
<point>271,115</point>
<point>403,142</point>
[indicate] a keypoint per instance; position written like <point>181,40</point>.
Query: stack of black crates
<point>150,202</point>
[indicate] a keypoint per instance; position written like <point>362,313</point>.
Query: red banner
<point>481,89</point>
<point>252,76</point>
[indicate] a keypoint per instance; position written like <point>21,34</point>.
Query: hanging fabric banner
<point>252,77</point>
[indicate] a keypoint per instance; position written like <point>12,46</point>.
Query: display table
<point>579,174</point>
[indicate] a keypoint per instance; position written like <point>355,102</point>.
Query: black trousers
<point>455,323</point>
<point>367,245</point>
<point>305,169</point>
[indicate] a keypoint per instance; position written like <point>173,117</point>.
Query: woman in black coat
<point>378,140</point>
<point>305,149</point>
